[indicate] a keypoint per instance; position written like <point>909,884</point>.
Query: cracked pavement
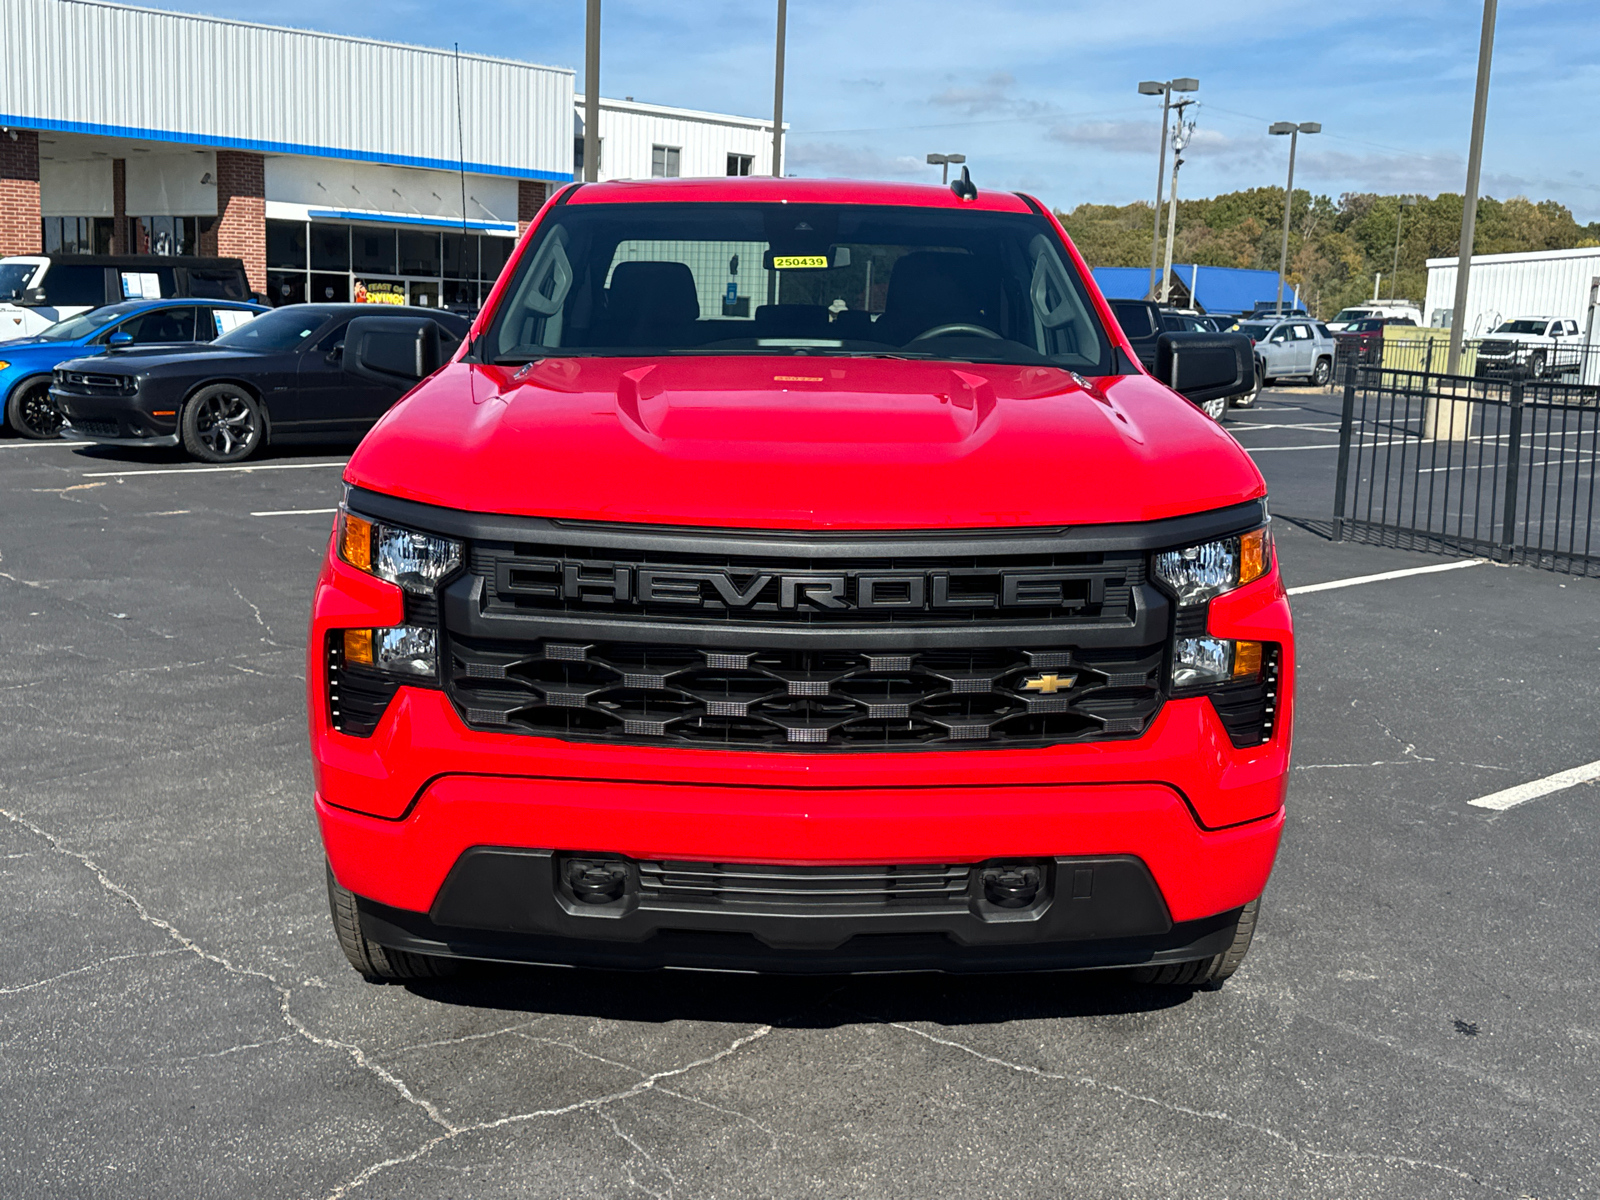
<point>1416,1018</point>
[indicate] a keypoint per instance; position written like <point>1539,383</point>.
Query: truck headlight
<point>1206,661</point>
<point>399,650</point>
<point>1197,573</point>
<point>417,562</point>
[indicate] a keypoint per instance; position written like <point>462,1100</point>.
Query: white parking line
<point>1323,426</point>
<point>207,470</point>
<point>1523,792</point>
<point>1318,446</point>
<point>1303,589</point>
<point>295,512</point>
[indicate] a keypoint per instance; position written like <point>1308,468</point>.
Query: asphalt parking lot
<point>1417,1017</point>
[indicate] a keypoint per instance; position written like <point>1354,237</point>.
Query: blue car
<point>26,365</point>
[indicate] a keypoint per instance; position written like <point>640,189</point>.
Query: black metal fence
<point>1503,468</point>
<point>1499,358</point>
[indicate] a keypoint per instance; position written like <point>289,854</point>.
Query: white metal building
<point>1544,283</point>
<point>336,168</point>
<point>641,141</point>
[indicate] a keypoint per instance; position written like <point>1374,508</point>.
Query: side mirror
<point>119,339</point>
<point>336,353</point>
<point>33,295</point>
<point>1205,366</point>
<point>393,351</point>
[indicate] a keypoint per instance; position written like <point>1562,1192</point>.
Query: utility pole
<point>591,93</point>
<point>777,93</point>
<point>1469,206</point>
<point>1405,203</point>
<point>1294,131</point>
<point>1157,88</point>
<point>1180,139</point>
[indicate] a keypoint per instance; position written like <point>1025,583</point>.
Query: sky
<point>1041,95</point>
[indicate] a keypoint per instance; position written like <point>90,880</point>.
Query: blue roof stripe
<point>266,147</point>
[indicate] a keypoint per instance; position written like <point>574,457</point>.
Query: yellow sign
<point>788,261</point>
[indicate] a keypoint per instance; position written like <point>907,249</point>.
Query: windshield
<point>14,277</point>
<point>80,326</point>
<point>1254,330</point>
<point>1353,314</point>
<point>1521,327</point>
<point>777,279</point>
<point>281,329</point>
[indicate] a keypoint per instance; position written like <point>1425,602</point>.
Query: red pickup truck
<point>799,576</point>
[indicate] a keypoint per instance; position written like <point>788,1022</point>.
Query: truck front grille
<point>837,891</point>
<point>805,699</point>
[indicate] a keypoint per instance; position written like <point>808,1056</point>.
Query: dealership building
<point>336,168</point>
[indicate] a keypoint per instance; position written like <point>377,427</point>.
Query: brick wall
<point>241,227</point>
<point>20,231</point>
<point>531,195</point>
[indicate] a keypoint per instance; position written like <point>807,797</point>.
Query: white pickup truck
<point>1531,348</point>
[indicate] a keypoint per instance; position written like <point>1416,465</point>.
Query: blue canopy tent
<point>1211,289</point>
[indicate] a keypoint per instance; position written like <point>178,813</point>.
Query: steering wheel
<point>955,327</point>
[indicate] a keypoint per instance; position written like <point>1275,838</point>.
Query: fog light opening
<point>1013,885</point>
<point>597,881</point>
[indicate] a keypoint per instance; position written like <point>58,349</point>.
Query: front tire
<point>376,963</point>
<point>32,413</point>
<point>1210,973</point>
<point>222,423</point>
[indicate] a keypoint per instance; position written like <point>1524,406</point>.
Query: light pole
<point>1294,131</point>
<point>1180,139</point>
<point>1151,87</point>
<point>591,93</point>
<point>944,160</point>
<point>1400,215</point>
<point>1469,206</point>
<point>777,93</point>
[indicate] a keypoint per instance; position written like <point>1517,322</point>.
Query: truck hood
<point>802,443</point>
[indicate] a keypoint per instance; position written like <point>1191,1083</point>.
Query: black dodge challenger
<point>283,377</point>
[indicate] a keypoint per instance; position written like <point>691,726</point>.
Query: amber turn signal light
<point>1255,555</point>
<point>1246,659</point>
<point>355,545</point>
<point>358,646</point>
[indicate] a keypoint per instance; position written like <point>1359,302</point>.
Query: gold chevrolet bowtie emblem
<point>1050,684</point>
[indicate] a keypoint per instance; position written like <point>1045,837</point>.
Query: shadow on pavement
<point>807,1002</point>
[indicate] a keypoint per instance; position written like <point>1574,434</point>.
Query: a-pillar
<point>241,230</point>
<point>21,230</point>
<point>531,195</point>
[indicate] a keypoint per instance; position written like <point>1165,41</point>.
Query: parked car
<point>1144,321</point>
<point>1389,309</point>
<point>279,378</point>
<point>26,366</point>
<point>1531,348</point>
<point>38,290</point>
<point>942,638</point>
<point>1362,340</point>
<point>1296,347</point>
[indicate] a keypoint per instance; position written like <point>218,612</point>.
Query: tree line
<point>1336,247</point>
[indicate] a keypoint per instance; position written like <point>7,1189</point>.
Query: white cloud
<point>832,160</point>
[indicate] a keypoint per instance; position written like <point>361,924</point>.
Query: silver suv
<point>1289,348</point>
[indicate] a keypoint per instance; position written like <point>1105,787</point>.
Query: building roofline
<point>318,33</point>
<point>690,114</point>
<point>1521,256</point>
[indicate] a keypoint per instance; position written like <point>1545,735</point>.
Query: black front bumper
<point>122,419</point>
<point>514,905</point>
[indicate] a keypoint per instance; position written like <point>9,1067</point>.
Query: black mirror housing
<point>395,351</point>
<point>1205,366</point>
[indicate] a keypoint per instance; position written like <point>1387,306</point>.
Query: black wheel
<point>1323,373</point>
<point>31,412</point>
<point>376,963</point>
<point>222,423</point>
<point>1210,972</point>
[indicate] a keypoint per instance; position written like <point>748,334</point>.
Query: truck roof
<point>755,189</point>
